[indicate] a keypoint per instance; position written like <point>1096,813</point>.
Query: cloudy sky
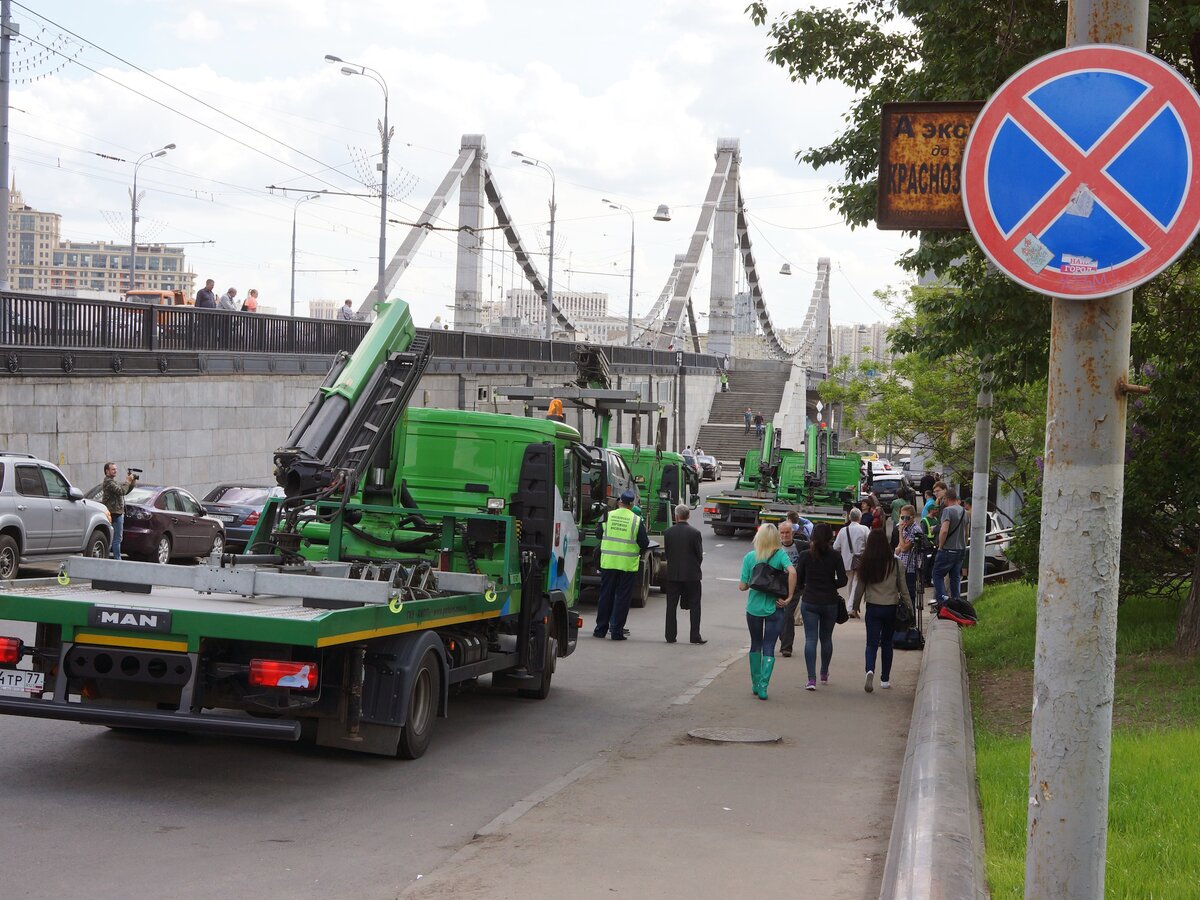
<point>626,100</point>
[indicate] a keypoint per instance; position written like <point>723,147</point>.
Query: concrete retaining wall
<point>199,431</point>
<point>936,848</point>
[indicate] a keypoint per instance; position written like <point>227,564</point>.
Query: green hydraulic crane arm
<point>357,407</point>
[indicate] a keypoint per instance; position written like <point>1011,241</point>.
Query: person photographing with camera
<point>112,495</point>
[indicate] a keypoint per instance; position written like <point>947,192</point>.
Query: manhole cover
<point>734,735</point>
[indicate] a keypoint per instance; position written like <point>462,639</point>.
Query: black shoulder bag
<point>769,580</point>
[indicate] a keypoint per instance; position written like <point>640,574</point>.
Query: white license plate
<point>18,681</point>
<point>227,518</point>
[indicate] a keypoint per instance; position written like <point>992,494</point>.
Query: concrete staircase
<point>724,435</point>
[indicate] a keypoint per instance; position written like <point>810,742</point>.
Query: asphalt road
<point>152,815</point>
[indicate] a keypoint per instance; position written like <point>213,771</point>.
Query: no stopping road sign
<point>1080,176</point>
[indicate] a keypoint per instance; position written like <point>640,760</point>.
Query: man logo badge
<point>129,618</point>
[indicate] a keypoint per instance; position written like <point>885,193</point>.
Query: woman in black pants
<point>819,574</point>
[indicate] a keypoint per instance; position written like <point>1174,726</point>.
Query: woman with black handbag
<point>768,574</point>
<point>820,573</point>
<point>881,584</point>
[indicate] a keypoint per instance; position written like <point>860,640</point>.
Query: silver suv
<point>43,518</point>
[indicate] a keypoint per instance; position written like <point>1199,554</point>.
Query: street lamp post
<point>385,142</point>
<point>632,234</point>
<point>133,208</point>
<point>295,209</point>
<point>530,161</point>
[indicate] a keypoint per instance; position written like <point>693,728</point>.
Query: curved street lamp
<point>530,161</point>
<point>295,209</point>
<point>133,209</point>
<point>385,141</point>
<point>632,234</point>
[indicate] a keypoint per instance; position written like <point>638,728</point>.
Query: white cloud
<point>197,27</point>
<point>624,104</point>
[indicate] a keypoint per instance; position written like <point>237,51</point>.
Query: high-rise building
<point>861,343</point>
<point>523,313</point>
<point>41,262</point>
<point>324,309</point>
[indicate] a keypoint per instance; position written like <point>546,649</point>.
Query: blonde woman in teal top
<point>764,612</point>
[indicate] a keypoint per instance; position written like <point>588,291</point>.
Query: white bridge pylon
<point>471,176</point>
<point>723,214</point>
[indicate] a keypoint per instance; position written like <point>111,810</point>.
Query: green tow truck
<point>818,483</point>
<point>655,476</point>
<point>415,549</point>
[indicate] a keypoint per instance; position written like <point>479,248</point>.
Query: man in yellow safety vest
<point>623,540</point>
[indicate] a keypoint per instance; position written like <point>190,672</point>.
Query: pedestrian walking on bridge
<point>765,612</point>
<point>795,543</point>
<point>749,417</point>
<point>819,575</point>
<point>880,585</point>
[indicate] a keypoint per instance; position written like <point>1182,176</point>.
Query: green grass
<point>1154,794</point>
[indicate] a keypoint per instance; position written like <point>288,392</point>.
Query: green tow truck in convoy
<point>818,482</point>
<point>654,476</point>
<point>415,549</point>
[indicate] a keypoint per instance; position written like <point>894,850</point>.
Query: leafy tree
<point>931,407</point>
<point>910,50</point>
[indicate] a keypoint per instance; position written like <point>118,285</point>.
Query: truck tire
<point>722,531</point>
<point>641,586</point>
<point>423,693</point>
<point>542,691</point>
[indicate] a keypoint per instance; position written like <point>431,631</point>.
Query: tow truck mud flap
<point>192,723</point>
<point>389,665</point>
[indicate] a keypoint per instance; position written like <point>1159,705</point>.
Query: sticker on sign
<point>1080,176</point>
<point>20,681</point>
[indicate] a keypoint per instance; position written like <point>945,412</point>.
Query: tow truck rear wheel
<point>423,693</point>
<point>641,586</point>
<point>722,531</point>
<point>542,691</point>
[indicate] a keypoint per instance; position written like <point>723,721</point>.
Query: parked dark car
<point>166,523</point>
<point>238,507</point>
<point>710,469</point>
<point>689,460</point>
<point>886,484</point>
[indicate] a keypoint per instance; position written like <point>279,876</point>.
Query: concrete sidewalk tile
<point>665,815</point>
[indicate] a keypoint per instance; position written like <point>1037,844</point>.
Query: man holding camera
<point>112,495</point>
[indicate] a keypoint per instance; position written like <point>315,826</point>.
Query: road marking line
<point>694,691</point>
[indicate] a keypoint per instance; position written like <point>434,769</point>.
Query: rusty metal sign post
<point>1067,232</point>
<point>920,165</point>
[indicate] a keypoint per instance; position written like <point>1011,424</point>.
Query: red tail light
<point>709,509</point>
<point>283,673</point>
<point>252,519</point>
<point>11,651</point>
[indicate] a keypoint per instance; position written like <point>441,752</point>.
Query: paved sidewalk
<point>664,815</point>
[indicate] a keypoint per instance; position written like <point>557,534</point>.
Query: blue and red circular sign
<point>1080,176</point>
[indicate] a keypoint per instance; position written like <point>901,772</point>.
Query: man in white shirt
<point>850,542</point>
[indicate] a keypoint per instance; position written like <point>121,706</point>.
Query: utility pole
<point>7,30</point>
<point>1083,490</point>
<point>979,485</point>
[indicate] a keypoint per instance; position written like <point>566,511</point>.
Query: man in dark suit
<point>685,554</point>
